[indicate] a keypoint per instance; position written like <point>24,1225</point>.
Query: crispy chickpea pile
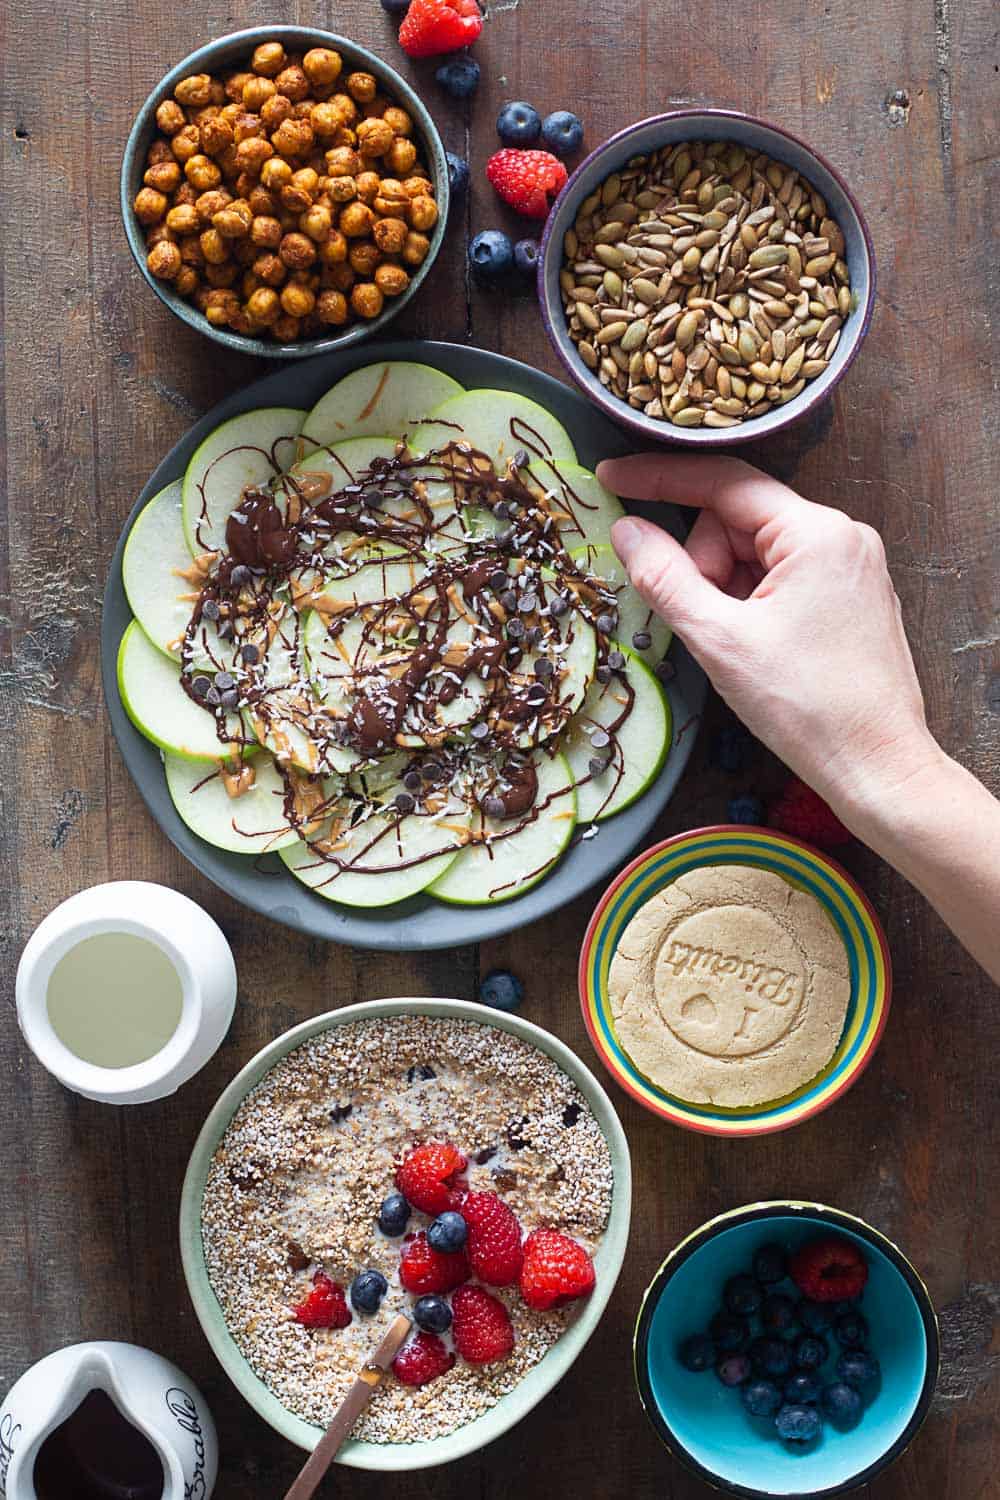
<point>285,199</point>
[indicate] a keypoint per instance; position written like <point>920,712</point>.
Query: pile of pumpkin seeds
<point>705,285</point>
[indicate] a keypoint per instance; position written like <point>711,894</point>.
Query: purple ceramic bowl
<point>756,135</point>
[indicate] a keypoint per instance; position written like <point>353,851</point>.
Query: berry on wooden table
<point>526,253</point>
<point>481,1326</point>
<point>494,1244</point>
<point>556,1270</point>
<point>491,256</point>
<point>802,812</point>
<point>422,1360</point>
<point>501,989</point>
<point>459,78</point>
<point>526,179</point>
<point>562,132</point>
<point>423,1270</point>
<point>829,1270</point>
<point>427,1177</point>
<point>395,7</point>
<point>746,808</point>
<point>434,26</point>
<point>732,749</point>
<point>519,124</point>
<point>325,1306</point>
<point>458,173</point>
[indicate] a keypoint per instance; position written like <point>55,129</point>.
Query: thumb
<point>669,581</point>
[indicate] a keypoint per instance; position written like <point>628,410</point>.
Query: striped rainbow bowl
<point>848,908</point>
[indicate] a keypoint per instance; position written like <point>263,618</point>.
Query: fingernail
<point>626,538</point>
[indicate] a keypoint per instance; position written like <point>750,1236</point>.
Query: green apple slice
<point>251,449</point>
<point>391,396</point>
<point>584,509</point>
<point>252,823</point>
<point>156,553</point>
<point>152,695</point>
<point>634,614</point>
<point>509,862</point>
<point>639,746</point>
<point>497,423</point>
<point>573,651</point>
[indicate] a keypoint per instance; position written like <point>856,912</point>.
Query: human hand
<point>790,609</point>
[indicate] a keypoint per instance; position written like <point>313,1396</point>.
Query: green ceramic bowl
<point>538,1381</point>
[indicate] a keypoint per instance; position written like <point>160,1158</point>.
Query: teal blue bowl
<point>704,1424</point>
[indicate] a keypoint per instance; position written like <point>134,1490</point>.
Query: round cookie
<point>730,987</point>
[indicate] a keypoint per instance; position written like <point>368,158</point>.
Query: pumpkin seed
<point>689,416</point>
<point>635,334</point>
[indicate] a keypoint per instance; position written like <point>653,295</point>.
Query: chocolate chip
<point>200,686</point>
<point>371,497</point>
<point>211,610</point>
<point>250,654</point>
<point>404,803</point>
<point>238,577</point>
<point>508,599</point>
<point>520,459</point>
<point>213,697</point>
<point>506,537</point>
<point>535,634</point>
<point>514,654</point>
<point>412,781</point>
<point>603,673</point>
<point>298,1260</point>
<point>494,807</point>
<point>230,699</point>
<point>480,731</point>
<point>557,606</point>
<point>420,1073</point>
<point>340,1112</point>
<point>543,668</point>
<point>447,692</point>
<point>600,739</point>
<point>642,640</point>
<point>516,1138</point>
<point>430,769</point>
<point>515,629</point>
<point>502,511</point>
<point>665,670</point>
<point>498,580</point>
<point>616,661</point>
<point>571,1114</point>
<point>597,767</point>
<point>504,1180</point>
<point>528,603</point>
<point>225,631</point>
<point>224,680</point>
<point>536,695</point>
<point>605,623</point>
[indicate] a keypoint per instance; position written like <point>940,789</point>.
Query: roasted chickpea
<point>201,297</point>
<point>185,194</point>
<point>194,91</point>
<point>265,231</point>
<point>293,83</point>
<point>322,65</point>
<point>416,248</point>
<point>216,135</point>
<point>244,252</point>
<point>275,111</point>
<point>246,126</point>
<point>367,184</point>
<point>209,203</point>
<point>285,330</point>
<point>361,86</point>
<point>261,202</point>
<point>297,301</point>
<point>186,143</point>
<point>157,233</point>
<point>398,120</point>
<point>295,199</point>
<point>256,92</point>
<point>346,137</point>
<point>170,117</point>
<point>164,177</point>
<point>218,92</point>
<point>341,277</point>
<point>164,261</point>
<point>191,252</point>
<point>333,250</point>
<point>366,299</point>
<point>219,305</point>
<point>235,84</point>
<point>423,212</point>
<point>249,283</point>
<point>159,152</point>
<point>364,257</point>
<point>226,161</point>
<point>302,110</point>
<point>297,251</point>
<point>240,323</point>
<point>244,184</point>
<point>342,162</point>
<point>231,112</point>
<point>268,59</point>
<point>332,308</point>
<point>213,247</point>
<point>270,269</point>
<point>374,137</point>
<point>391,280</point>
<point>252,154</point>
<point>317,223</point>
<point>325,119</point>
<point>391,200</point>
<point>186,281</point>
<point>275,173</point>
<point>201,117</point>
<point>342,189</point>
<point>202,173</point>
<point>355,220</point>
<point>183,218</point>
<point>390,235</point>
<point>400,156</point>
<point>233,221</point>
<point>221,275</point>
<point>149,205</point>
<point>415,187</point>
<point>293,138</point>
<point>347,107</point>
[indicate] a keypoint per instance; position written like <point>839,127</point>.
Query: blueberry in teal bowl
<point>815,1409</point>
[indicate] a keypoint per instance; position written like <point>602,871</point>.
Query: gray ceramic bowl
<point>405,1457</point>
<point>708,125</point>
<point>225,53</point>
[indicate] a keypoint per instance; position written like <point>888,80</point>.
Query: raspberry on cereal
<point>427,1177</point>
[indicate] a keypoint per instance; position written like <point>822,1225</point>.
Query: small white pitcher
<point>149,1392</point>
<point>195,946</point>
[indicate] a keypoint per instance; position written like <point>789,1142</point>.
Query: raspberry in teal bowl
<point>705,1424</point>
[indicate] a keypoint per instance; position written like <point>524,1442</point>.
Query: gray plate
<point>263,884</point>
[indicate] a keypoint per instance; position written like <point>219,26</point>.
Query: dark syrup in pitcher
<point>96,1454</point>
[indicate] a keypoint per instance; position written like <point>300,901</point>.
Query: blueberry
<point>491,255</point>
<point>811,1351</point>
<point>741,1295</point>
<point>562,132</point>
<point>733,748</point>
<point>798,1424</point>
<point>448,1233</point>
<point>769,1261</point>
<point>842,1405</point>
<point>771,1356</point>
<point>851,1329</point>
<point>777,1313</point>
<point>734,1369</point>
<point>858,1368</point>
<point>801,1387</point>
<point>459,78</point>
<point>526,258</point>
<point>396,7</point>
<point>761,1398</point>
<point>729,1333</point>
<point>458,173</point>
<point>519,125</point>
<point>502,990</point>
<point>746,808</point>
<point>815,1317</point>
<point>367,1290</point>
<point>432,1314</point>
<point>394,1215</point>
<point>697,1352</point>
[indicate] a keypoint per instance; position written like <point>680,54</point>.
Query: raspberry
<point>829,1270</point>
<point>481,1326</point>
<point>494,1243</point>
<point>524,179</point>
<point>556,1270</point>
<point>325,1307</point>
<point>423,1359</point>
<point>426,1178</point>
<point>423,1270</point>
<point>802,812</point>
<point>434,26</point>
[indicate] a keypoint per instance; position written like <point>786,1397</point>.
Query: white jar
<point>195,946</point>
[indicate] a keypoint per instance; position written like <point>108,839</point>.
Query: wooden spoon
<point>347,1413</point>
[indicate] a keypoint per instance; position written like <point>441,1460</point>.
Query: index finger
<point>739,494</point>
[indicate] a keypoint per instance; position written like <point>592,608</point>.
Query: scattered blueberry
<point>519,124</point>
<point>432,1314</point>
<point>562,132</point>
<point>459,77</point>
<point>729,1333</point>
<point>769,1261</point>
<point>815,1317</point>
<point>798,1424</point>
<point>801,1387</point>
<point>761,1398</point>
<point>396,7</point>
<point>772,1356</point>
<point>842,1405</point>
<point>367,1290</point>
<point>746,808</point>
<point>734,1369</point>
<point>811,1351</point>
<point>858,1368</point>
<point>851,1329</point>
<point>741,1295</point>
<point>733,748</point>
<point>777,1313</point>
<point>491,254</point>
<point>526,258</point>
<point>458,173</point>
<point>394,1215</point>
<point>697,1353</point>
<point>502,990</point>
<point>448,1233</point>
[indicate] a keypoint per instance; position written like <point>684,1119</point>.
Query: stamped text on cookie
<point>780,986</point>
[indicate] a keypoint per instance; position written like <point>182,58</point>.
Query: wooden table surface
<point>100,381</point>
